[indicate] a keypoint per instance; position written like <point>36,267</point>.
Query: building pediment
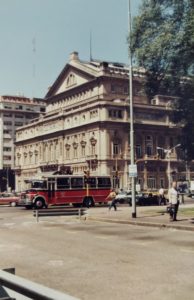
<point>72,75</point>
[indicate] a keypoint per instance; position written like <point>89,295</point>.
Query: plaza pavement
<point>155,216</point>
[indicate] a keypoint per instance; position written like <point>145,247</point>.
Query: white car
<point>125,197</point>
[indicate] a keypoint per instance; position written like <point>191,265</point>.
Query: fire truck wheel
<point>39,203</point>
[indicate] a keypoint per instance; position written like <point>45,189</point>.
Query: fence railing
<point>12,287</point>
<point>59,212</point>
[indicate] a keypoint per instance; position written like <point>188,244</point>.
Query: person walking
<point>173,201</point>
<point>112,197</point>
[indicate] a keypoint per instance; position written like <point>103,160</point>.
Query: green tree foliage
<point>162,42</point>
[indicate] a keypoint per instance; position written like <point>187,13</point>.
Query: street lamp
<point>132,166</point>
<point>168,153</point>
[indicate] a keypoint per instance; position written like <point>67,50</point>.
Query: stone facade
<point>86,126</point>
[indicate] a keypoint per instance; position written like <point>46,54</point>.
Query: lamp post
<point>133,166</point>
<point>168,153</point>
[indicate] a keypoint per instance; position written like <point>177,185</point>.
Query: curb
<point>139,223</point>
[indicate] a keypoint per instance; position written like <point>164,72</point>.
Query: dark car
<point>151,198</point>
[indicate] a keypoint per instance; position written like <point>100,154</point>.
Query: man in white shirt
<point>161,196</point>
<point>173,201</point>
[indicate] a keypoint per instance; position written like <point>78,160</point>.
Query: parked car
<point>125,197</point>
<point>152,198</point>
<point>142,199</point>
<point>9,198</point>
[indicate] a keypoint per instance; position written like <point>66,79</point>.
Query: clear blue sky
<point>37,36</point>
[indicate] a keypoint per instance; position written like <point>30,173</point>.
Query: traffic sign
<point>132,170</point>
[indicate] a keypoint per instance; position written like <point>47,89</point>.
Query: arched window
<point>149,145</point>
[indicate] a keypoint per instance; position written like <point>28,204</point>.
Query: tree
<point>162,41</point>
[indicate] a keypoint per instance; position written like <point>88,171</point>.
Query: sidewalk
<point>153,216</point>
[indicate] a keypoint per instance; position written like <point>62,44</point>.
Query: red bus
<point>66,189</point>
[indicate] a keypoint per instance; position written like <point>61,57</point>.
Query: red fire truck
<point>66,189</point>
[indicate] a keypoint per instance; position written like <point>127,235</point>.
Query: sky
<point>37,37</point>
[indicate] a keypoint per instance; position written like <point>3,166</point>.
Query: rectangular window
<point>6,157</point>
<point>149,145</point>
<point>116,149</point>
<point>162,182</point>
<point>149,150</point>
<point>104,182</point>
<point>67,154</point>
<point>77,182</point>
<point>19,107</point>
<point>93,149</point>
<point>75,153</point>
<point>83,151</point>
<point>19,116</point>
<point>63,183</point>
<point>92,182</point>
<point>138,151</point>
<point>7,149</point>
<point>18,123</point>
<point>120,116</point>
<point>7,123</point>
<point>151,183</point>
<point>5,131</point>
<point>161,153</point>
<point>39,184</point>
<point>7,115</point>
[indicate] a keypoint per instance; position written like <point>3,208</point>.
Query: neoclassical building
<point>87,125</point>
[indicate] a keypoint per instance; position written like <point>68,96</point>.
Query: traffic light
<point>87,173</point>
<point>86,176</point>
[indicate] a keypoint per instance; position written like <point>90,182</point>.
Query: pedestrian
<point>161,196</point>
<point>173,201</point>
<point>112,197</point>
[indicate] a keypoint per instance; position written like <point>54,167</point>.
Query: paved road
<point>95,261</point>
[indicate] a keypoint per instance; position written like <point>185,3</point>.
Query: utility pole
<point>132,166</point>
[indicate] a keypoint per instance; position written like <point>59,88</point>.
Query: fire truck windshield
<point>38,184</point>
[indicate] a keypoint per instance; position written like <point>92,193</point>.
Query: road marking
<point>187,250</point>
<point>56,263</point>
<point>11,247</point>
<point>71,231</point>
<point>141,243</point>
<point>8,224</point>
<point>106,237</point>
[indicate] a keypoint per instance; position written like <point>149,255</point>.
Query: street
<point>95,260</point>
